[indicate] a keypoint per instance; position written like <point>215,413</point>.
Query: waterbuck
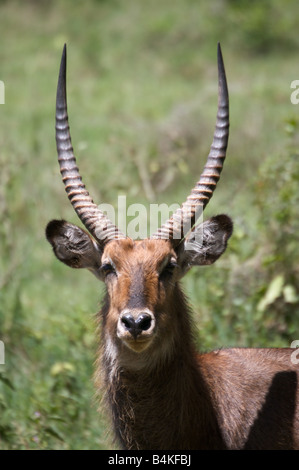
<point>160,392</point>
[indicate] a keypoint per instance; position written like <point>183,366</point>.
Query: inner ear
<point>74,246</point>
<point>206,243</point>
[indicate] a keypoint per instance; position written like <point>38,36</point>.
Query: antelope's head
<point>140,275</point>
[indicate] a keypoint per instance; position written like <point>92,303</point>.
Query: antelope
<point>161,393</point>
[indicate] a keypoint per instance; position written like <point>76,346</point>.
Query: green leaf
<point>7,381</point>
<point>61,368</point>
<point>53,432</point>
<point>290,295</point>
<point>274,291</point>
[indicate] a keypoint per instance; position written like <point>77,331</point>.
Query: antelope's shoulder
<point>248,363</point>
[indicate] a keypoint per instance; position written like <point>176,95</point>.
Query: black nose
<point>136,325</point>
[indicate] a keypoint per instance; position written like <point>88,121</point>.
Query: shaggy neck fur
<point>158,396</point>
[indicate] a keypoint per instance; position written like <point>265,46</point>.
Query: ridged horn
<point>182,221</point>
<point>96,222</point>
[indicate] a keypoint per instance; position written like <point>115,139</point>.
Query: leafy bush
<point>278,200</point>
<point>262,27</point>
<point>253,299</point>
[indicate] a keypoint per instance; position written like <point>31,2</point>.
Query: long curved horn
<point>94,220</point>
<point>180,223</point>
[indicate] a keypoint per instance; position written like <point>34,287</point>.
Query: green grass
<point>142,93</point>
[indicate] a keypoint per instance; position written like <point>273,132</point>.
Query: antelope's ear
<point>74,246</point>
<point>206,243</point>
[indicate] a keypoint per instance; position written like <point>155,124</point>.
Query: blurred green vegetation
<point>142,88</point>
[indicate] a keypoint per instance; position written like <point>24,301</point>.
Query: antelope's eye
<point>168,269</point>
<point>107,268</point>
